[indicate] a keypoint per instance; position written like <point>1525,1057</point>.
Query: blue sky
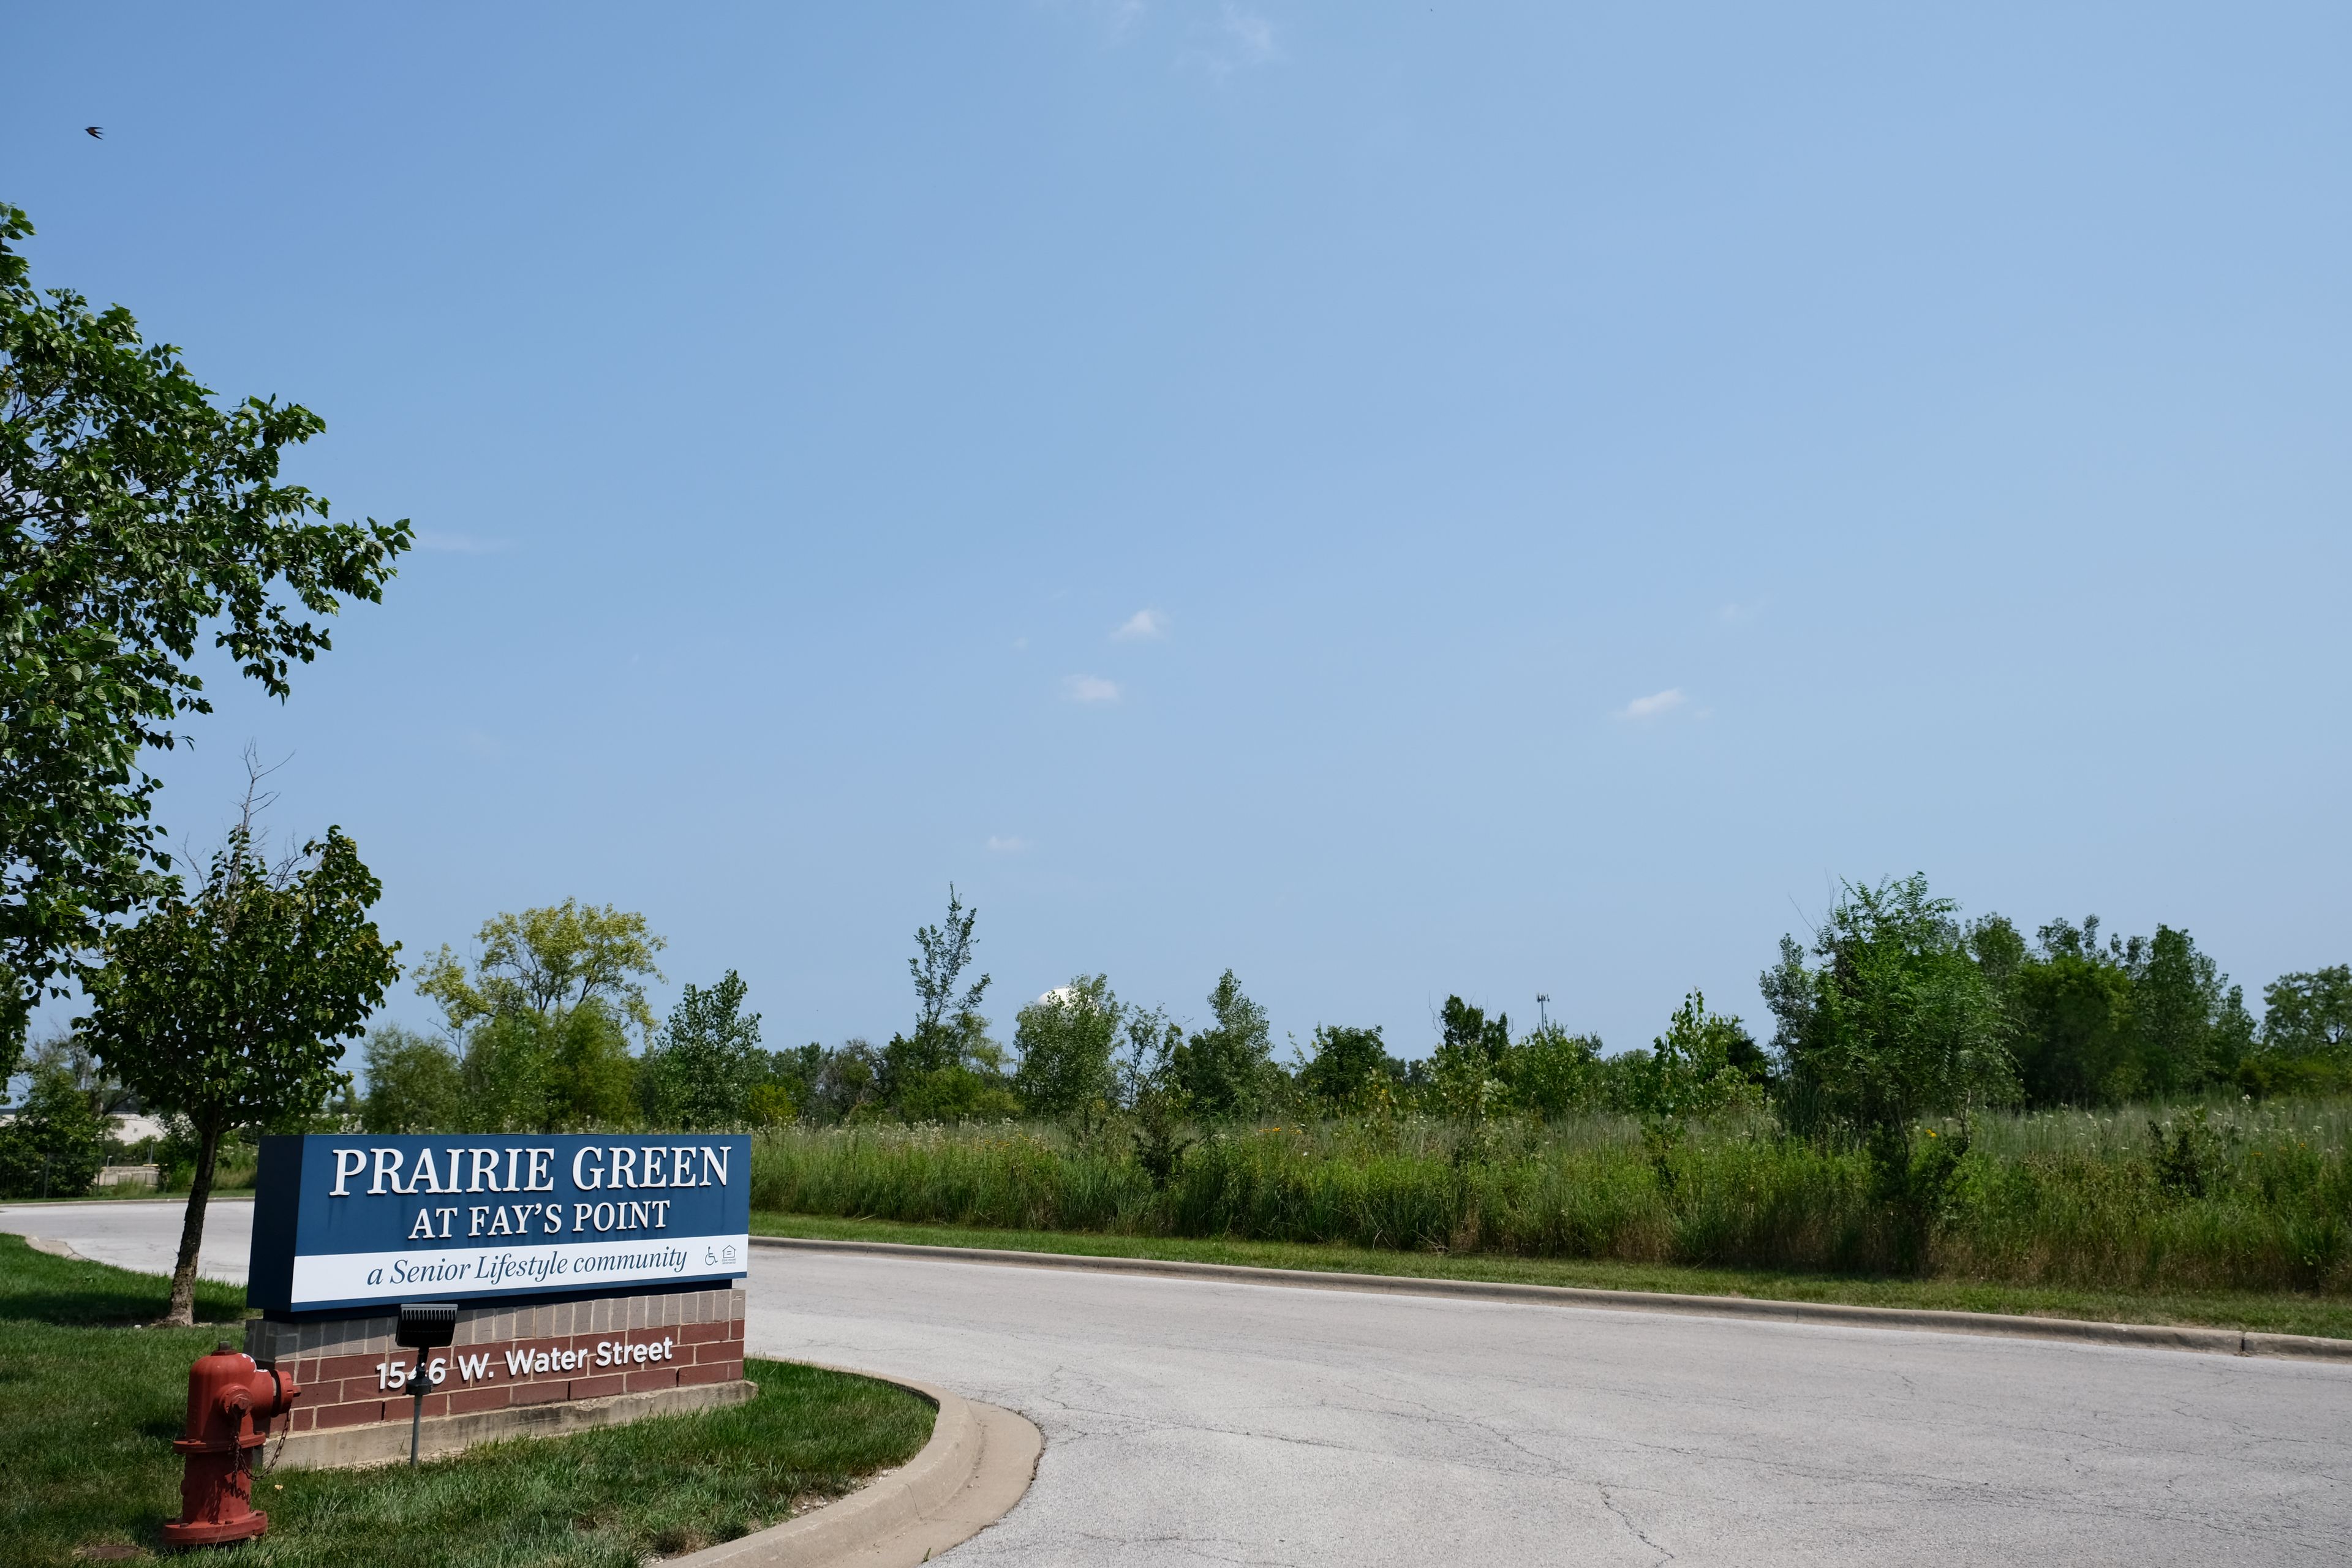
<point>1394,499</point>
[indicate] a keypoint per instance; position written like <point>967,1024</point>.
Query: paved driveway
<point>1195,1423</point>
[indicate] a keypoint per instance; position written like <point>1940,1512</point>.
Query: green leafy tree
<point>2309,1014</point>
<point>533,1072</point>
<point>136,515</point>
<point>413,1083</point>
<point>1552,1073</point>
<point>1226,1071</point>
<point>231,1007</point>
<point>550,961</point>
<point>2191,1024</point>
<point>1895,1022</point>
<point>56,1143</point>
<point>1697,1066</point>
<point>1467,1067</point>
<point>1349,1068</point>
<point>2075,1039</point>
<point>700,1074</point>
<point>544,1016</point>
<point>1066,1040</point>
<point>2305,1046</point>
<point>2094,1024</point>
<point>948,1070</point>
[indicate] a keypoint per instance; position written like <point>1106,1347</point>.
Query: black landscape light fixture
<point>423,1326</point>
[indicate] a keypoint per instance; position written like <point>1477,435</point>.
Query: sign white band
<point>321,1277</point>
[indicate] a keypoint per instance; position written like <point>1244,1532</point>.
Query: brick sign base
<point>511,1368</point>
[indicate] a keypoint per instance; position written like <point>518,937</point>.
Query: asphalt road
<point>1190,1423</point>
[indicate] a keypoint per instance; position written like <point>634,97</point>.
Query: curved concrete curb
<point>978,1464</point>
<point>2144,1336</point>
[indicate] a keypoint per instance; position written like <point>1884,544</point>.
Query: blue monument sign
<point>342,1222</point>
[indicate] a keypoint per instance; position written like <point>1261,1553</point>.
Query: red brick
<point>537,1393</point>
<point>696,1333</point>
<point>332,1368</point>
<point>351,1414</point>
<point>598,1387</point>
<point>725,1349</point>
<point>467,1400</point>
<point>663,1377</point>
<point>304,1418</point>
<point>717,1372</point>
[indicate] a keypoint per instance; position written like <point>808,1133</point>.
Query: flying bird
<point>95,132</point>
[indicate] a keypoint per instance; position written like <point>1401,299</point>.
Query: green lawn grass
<point>2281,1313</point>
<point>90,1401</point>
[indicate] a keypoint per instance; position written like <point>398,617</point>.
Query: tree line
<point>1896,1009</point>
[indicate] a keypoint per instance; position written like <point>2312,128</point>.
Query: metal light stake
<point>423,1326</point>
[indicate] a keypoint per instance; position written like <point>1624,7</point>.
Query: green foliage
<point>948,1070</point>
<point>2186,1156</point>
<point>55,1143</point>
<point>231,1007</point>
<point>1226,1071</point>
<point>1066,1040</point>
<point>2096,1026</point>
<point>1350,1069</point>
<point>2309,1016</point>
<point>1897,1021</point>
<point>548,961</point>
<point>1552,1073</point>
<point>700,1074</point>
<point>2037,1199</point>
<point>414,1083</point>
<point>526,1071</point>
<point>1160,1142</point>
<point>134,514</point>
<point>1690,1070</point>
<point>543,1017</point>
<point>956,1092</point>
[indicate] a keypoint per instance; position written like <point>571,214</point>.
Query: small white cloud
<point>1089,689</point>
<point>460,544</point>
<point>1141,627</point>
<point>1251,37</point>
<point>1656,705</point>
<point>1244,41</point>
<point>1006,845</point>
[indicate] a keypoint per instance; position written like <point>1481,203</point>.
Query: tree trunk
<point>183,1308</point>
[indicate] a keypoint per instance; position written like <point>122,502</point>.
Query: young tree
<point>700,1074</point>
<point>1349,1065</point>
<point>1690,1070</point>
<point>1227,1071</point>
<point>550,962</point>
<point>1896,1022</point>
<point>231,1007</point>
<point>544,1017</point>
<point>57,1141</point>
<point>1066,1040</point>
<point>135,514</point>
<point>1554,1073</point>
<point>413,1083</point>
<point>2309,1015</point>
<point>948,1070</point>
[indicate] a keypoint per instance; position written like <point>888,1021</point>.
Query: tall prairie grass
<point>2051,1198</point>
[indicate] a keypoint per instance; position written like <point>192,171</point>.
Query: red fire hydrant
<point>231,1402</point>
